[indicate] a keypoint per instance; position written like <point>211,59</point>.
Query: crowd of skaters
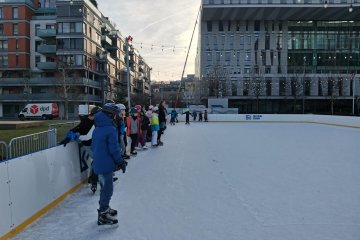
<point>105,134</point>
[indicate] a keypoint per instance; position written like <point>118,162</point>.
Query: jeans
<point>106,192</point>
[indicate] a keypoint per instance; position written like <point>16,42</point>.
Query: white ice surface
<point>263,181</point>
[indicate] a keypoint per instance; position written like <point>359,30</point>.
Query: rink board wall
<point>320,119</point>
<point>32,184</point>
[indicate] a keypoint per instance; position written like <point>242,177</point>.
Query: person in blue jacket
<point>106,160</point>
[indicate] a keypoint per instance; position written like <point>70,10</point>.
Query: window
<point>229,26</point>
<point>221,26</point>
<point>209,58</point>
<point>15,29</point>
<point>1,29</point>
<point>37,60</point>
<point>3,45</point>
<point>282,87</point>
<point>37,28</point>
<point>37,44</point>
<point>237,26</point>
<point>227,58</point>
<point>257,26</point>
<point>267,42</point>
<point>4,60</point>
<point>17,43</point>
<point>50,26</point>
<point>17,60</point>
<point>15,12</point>
<point>1,13</point>
<point>268,87</point>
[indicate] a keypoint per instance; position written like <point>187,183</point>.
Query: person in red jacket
<point>133,129</point>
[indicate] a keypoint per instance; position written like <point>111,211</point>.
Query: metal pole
<point>128,72</point>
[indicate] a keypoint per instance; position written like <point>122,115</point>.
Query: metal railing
<point>62,129</point>
<point>3,151</point>
<point>28,144</point>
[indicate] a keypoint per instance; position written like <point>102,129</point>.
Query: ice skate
<point>105,217</point>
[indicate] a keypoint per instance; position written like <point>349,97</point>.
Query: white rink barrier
<point>343,121</point>
<point>31,185</point>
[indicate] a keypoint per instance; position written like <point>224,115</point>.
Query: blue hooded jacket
<point>105,146</point>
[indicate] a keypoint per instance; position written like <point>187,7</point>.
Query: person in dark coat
<point>194,115</point>
<point>162,121</point>
<point>107,159</point>
<point>200,116</point>
<point>187,116</point>
<point>206,115</point>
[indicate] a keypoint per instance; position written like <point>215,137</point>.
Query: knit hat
<point>133,110</point>
<point>138,107</point>
<point>95,110</point>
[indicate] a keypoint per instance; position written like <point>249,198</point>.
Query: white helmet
<point>121,106</point>
<point>155,109</point>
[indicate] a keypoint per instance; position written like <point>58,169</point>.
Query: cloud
<point>158,22</point>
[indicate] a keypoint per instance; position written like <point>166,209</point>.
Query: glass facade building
<point>281,56</point>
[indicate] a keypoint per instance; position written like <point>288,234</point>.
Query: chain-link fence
<point>24,145</point>
<point>3,151</point>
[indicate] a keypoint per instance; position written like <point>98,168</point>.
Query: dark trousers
<point>134,138</point>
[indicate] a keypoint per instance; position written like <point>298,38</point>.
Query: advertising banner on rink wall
<point>32,184</point>
<point>307,118</point>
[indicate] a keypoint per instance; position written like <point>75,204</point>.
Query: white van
<point>39,110</point>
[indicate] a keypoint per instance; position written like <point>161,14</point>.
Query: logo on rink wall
<point>253,117</point>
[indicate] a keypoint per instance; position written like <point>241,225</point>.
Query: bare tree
<point>67,85</point>
<point>334,83</point>
<point>257,84</point>
<point>297,88</point>
<point>216,81</point>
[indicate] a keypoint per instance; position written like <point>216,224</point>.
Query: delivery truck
<point>40,111</point>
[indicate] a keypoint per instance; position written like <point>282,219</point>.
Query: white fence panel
<point>5,211</point>
<point>40,178</point>
<point>65,169</point>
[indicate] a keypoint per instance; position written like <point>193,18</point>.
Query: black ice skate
<point>105,218</point>
<point>133,153</point>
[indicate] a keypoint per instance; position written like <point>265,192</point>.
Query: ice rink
<point>263,181</point>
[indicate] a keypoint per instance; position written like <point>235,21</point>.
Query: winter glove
<point>121,166</point>
<point>65,141</point>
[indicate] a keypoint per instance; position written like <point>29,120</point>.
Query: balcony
<point>46,33</point>
<point>50,97</point>
<point>46,49</point>
<point>106,40</point>
<point>47,65</point>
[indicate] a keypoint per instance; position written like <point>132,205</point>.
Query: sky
<point>157,23</point>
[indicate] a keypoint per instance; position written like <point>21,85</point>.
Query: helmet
<point>121,106</point>
<point>94,110</point>
<point>155,109</point>
<point>151,107</point>
<point>111,109</point>
<point>109,101</point>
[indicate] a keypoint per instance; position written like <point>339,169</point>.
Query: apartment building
<point>63,51</point>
